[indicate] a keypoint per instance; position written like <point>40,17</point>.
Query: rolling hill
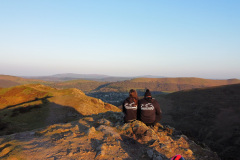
<point>40,122</point>
<point>7,83</point>
<point>83,85</point>
<point>32,106</point>
<point>10,81</point>
<point>164,84</point>
<point>93,77</point>
<point>72,76</point>
<point>209,115</point>
<point>154,84</point>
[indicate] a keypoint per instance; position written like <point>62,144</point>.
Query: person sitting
<point>149,111</point>
<point>130,107</point>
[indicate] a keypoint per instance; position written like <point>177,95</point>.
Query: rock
<point>91,131</point>
<point>5,150</point>
<point>75,129</point>
<point>157,157</point>
<point>125,126</point>
<point>101,150</point>
<point>139,128</point>
<point>150,153</point>
<point>189,152</point>
<point>109,131</point>
<point>101,147</point>
<point>104,122</point>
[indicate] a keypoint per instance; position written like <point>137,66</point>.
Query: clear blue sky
<point>175,38</point>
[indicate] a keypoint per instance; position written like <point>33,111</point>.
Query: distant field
<point>165,84</point>
<point>140,84</point>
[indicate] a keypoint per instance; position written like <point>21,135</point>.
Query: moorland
<point>205,110</point>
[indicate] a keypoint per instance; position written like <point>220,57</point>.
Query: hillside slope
<point>165,84</point>
<point>7,83</point>
<point>210,115</point>
<point>32,106</point>
<point>83,85</point>
<point>154,84</point>
<point>101,136</point>
<point>10,81</point>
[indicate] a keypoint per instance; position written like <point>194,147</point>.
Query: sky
<point>172,38</point>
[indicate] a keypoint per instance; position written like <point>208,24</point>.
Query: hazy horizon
<point>121,38</point>
<point>133,76</point>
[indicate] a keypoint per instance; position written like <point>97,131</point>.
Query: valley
<point>65,123</point>
<point>207,111</point>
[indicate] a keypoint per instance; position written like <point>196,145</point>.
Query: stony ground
<point>101,136</point>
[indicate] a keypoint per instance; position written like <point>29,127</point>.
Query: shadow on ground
<point>26,116</point>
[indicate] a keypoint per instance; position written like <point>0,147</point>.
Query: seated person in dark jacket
<point>130,107</point>
<point>149,111</point>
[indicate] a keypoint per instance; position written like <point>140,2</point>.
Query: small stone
<point>101,147</point>
<point>150,153</point>
<point>189,152</point>
<point>91,130</point>
<point>100,153</point>
<point>70,154</point>
<point>104,122</point>
<point>157,157</point>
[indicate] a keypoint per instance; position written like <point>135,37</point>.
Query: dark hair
<point>147,93</point>
<point>133,95</point>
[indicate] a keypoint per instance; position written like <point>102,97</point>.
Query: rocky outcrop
<point>101,136</point>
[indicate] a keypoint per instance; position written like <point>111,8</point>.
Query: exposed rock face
<point>101,136</point>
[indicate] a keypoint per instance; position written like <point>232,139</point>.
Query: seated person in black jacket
<point>130,107</point>
<point>149,111</point>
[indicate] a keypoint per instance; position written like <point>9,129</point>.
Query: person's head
<point>133,95</point>
<point>147,94</point>
<point>177,157</point>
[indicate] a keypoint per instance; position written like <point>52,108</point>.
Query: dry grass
<point>32,106</point>
<point>165,84</point>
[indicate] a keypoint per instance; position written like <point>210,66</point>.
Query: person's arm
<point>139,111</point>
<point>123,107</point>
<point>158,112</point>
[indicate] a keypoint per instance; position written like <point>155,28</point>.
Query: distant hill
<point>33,106</point>
<point>84,85</point>
<point>165,84</point>
<point>7,83</point>
<point>119,84</point>
<point>210,115</point>
<point>149,76</point>
<point>72,76</point>
<point>81,76</point>
<point>154,84</point>
<point>94,77</point>
<point>10,81</point>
